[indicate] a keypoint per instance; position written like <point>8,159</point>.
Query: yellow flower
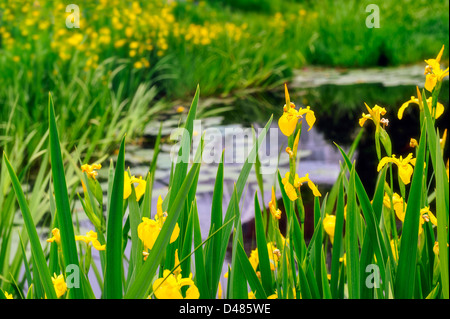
<point>433,71</point>
<point>394,249</point>
<point>413,143</point>
<point>274,257</point>
<point>140,188</point>
<point>149,229</point>
<point>180,109</point>
<point>7,295</point>
<point>428,216</point>
<point>60,285</point>
<point>169,287</point>
<point>414,100</point>
<point>343,259</point>
<point>436,248</point>
<point>399,205</point>
<point>443,140</point>
<point>311,185</point>
<point>90,169</point>
<point>400,209</point>
<point>276,213</point>
<point>91,237</point>
<point>219,291</point>
<point>290,190</point>
<point>56,236</point>
<point>176,262</point>
<point>275,294</point>
<point>405,166</point>
<point>254,258</point>
<point>374,114</point>
<point>329,223</point>
<point>288,121</point>
<point>120,43</point>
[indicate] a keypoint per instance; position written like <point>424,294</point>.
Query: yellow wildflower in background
<point>405,166</point>
<point>91,237</point>
<point>169,287</point>
<point>149,229</point>
<point>90,169</point>
<point>433,71</point>
<point>60,285</point>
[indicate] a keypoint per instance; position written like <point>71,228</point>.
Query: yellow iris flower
<point>56,236</point>
<point>140,188</point>
<point>8,295</point>
<point>375,114</point>
<point>405,166</point>
<point>433,71</point>
<point>413,143</point>
<point>329,223</point>
<point>298,181</point>
<point>288,121</point>
<point>311,185</point>
<point>90,169</point>
<point>274,257</point>
<point>276,213</point>
<point>169,287</point>
<point>149,229</point>
<point>289,189</point>
<point>91,237</point>
<point>60,285</point>
<point>399,206</point>
<point>414,100</point>
<point>394,249</point>
<point>435,249</point>
<point>400,210</point>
